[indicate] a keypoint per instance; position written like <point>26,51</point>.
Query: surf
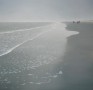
<point>11,40</point>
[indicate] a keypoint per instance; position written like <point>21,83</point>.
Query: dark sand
<point>78,59</point>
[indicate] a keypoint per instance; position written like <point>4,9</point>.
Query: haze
<point>45,10</point>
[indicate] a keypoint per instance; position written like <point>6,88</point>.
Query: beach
<point>59,59</point>
<point>78,59</point>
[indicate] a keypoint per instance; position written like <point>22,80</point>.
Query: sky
<point>45,10</point>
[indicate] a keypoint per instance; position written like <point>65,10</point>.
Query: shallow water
<point>31,58</point>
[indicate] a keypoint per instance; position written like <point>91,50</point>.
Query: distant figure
<point>78,22</point>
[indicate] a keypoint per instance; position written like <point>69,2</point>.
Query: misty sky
<point>45,10</point>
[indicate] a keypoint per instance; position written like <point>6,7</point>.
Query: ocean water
<point>11,26</point>
<point>30,54</point>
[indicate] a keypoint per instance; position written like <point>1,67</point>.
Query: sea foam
<point>13,39</point>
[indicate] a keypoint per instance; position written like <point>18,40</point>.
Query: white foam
<point>11,49</point>
<point>60,72</point>
<point>30,74</point>
<point>31,82</point>
<point>11,40</point>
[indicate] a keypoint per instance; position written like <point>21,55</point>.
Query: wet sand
<point>78,59</point>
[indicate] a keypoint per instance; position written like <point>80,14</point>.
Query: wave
<point>10,50</point>
<point>11,40</point>
<point>23,29</point>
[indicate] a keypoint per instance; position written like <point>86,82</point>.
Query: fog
<point>45,10</point>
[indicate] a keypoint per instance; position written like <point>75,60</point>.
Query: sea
<point>31,55</point>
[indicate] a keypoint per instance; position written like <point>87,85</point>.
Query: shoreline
<point>78,59</point>
<point>53,53</point>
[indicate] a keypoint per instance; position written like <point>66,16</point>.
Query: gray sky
<point>45,10</point>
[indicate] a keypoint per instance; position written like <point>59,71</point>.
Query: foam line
<point>10,41</point>
<point>23,43</point>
